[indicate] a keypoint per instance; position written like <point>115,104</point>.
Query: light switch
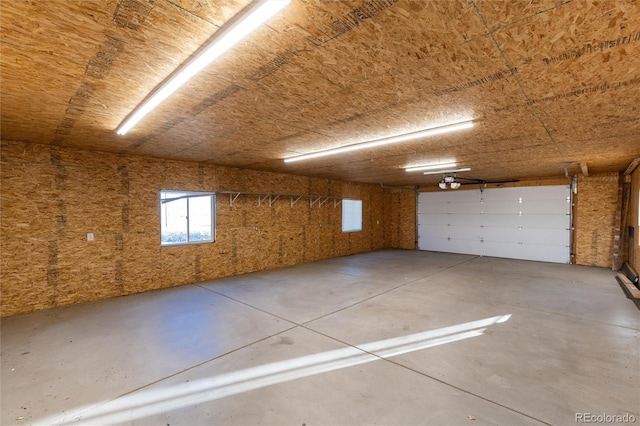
<point>90,236</point>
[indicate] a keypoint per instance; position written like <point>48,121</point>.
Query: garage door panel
<point>464,207</point>
<point>550,192</point>
<point>545,207</point>
<point>501,249</point>
<point>465,246</point>
<point>542,253</point>
<point>432,207</point>
<point>448,207</point>
<point>501,220</point>
<point>523,223</point>
<point>437,231</point>
<point>451,219</point>
<point>504,194</point>
<point>544,236</point>
<point>454,246</point>
<point>545,253</point>
<point>546,221</point>
<point>434,219</point>
<point>501,207</point>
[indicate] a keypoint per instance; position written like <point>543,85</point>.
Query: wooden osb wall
<point>400,219</point>
<point>634,220</point>
<point>595,219</point>
<point>52,197</point>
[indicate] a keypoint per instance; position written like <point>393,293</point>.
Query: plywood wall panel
<point>327,241</point>
<point>178,265</point>
<point>246,248</point>
<point>141,262</point>
<point>182,175</point>
<point>25,215</point>
<point>221,261</point>
<point>400,219</point>
<point>95,204</point>
<point>407,220</point>
<point>341,244</point>
<point>25,292</point>
<point>634,220</point>
<point>312,243</point>
<point>596,206</point>
<point>51,199</point>
<point>86,271</point>
<point>291,245</point>
<point>17,152</point>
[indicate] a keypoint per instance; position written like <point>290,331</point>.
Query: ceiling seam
<point>508,63</point>
<point>184,9</point>
<point>518,21</point>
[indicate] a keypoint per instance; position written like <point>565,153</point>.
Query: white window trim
<point>189,194</point>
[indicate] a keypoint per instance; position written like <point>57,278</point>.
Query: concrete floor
<point>389,337</point>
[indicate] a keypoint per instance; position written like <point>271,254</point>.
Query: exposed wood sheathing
<point>400,217</point>
<point>53,196</point>
<point>634,221</point>
<point>547,82</point>
<point>596,207</point>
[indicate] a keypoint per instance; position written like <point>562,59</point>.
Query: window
<point>187,217</point>
<point>351,215</point>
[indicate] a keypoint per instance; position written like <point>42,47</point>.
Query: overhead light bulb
<point>250,19</point>
<point>431,167</point>
<point>384,141</point>
<point>455,185</point>
<point>442,185</point>
<point>437,172</point>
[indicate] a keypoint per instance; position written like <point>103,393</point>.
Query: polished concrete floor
<point>390,337</point>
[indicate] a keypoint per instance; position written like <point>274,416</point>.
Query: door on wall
<point>532,222</point>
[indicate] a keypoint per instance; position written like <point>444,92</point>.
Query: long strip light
<point>249,19</point>
<point>431,167</point>
<point>437,172</point>
<point>385,141</point>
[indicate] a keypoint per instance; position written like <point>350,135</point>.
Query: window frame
<point>187,195</point>
<point>343,215</point>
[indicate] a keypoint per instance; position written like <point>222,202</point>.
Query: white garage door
<point>530,222</point>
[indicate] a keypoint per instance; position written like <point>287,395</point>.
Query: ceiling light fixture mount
<point>226,37</point>
<point>384,141</point>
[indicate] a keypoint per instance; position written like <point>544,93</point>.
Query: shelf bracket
<point>232,198</point>
<point>313,201</point>
<point>296,200</point>
<point>261,200</point>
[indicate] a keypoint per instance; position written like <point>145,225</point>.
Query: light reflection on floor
<point>155,401</point>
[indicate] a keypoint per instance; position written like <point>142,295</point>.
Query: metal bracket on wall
<point>320,200</point>
<point>233,197</point>
<point>272,197</point>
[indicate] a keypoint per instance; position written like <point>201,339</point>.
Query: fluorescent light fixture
<point>437,172</point>
<point>249,19</point>
<point>431,167</point>
<point>385,141</point>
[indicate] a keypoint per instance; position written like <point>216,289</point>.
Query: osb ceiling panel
<point>547,83</point>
